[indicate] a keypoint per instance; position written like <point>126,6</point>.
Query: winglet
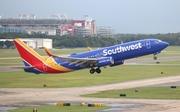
<point>48,52</point>
<point>89,49</point>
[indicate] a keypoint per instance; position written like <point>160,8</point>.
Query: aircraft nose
<point>165,44</point>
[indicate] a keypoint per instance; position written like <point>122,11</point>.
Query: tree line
<point>78,41</point>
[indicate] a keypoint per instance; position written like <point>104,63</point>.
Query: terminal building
<point>58,24</point>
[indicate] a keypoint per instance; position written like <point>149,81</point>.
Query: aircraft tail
<point>28,55</point>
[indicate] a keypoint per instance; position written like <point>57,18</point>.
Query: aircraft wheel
<point>155,58</point>
<point>98,70</point>
<point>92,70</point>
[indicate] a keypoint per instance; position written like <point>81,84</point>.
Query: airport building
<point>105,31</point>
<point>12,30</point>
<point>35,43</point>
<point>58,24</point>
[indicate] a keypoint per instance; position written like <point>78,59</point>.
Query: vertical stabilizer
<point>28,55</point>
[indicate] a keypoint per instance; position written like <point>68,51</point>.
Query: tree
<point>8,43</point>
<point>1,44</point>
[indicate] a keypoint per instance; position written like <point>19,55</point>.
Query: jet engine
<point>105,61</point>
<point>117,63</point>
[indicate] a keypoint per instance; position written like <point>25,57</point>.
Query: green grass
<point>21,79</point>
<point>168,52</point>
<point>4,53</point>
<point>13,56</point>
<point>166,62</point>
<point>161,55</point>
<point>72,108</point>
<point>143,92</point>
<point>15,60</point>
<point>83,77</point>
<point>11,62</point>
<point>171,50</point>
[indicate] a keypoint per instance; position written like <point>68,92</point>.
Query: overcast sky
<point>126,16</point>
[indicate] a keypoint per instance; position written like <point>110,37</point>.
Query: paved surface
<point>26,96</point>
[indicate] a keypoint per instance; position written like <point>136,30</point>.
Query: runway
<point>28,96</point>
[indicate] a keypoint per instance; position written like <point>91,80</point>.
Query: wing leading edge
<point>78,61</point>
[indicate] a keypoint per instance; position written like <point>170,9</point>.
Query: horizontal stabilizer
<point>21,67</point>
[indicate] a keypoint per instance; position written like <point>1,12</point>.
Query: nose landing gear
<point>155,58</point>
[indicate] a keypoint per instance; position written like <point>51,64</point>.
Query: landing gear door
<point>148,44</point>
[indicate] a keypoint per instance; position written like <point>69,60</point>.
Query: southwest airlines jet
<point>93,59</point>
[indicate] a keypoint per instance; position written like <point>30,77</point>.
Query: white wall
<point>37,43</point>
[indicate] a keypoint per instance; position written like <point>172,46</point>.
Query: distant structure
<point>105,31</point>
<point>84,27</point>
<point>57,24</point>
<point>32,24</point>
<point>27,16</point>
<point>35,43</point>
<point>12,30</point>
<point>1,16</point>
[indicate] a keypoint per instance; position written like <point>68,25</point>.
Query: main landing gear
<point>97,70</point>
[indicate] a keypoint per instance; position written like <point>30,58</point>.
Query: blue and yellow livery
<point>93,59</point>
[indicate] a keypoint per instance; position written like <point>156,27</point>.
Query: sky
<point>125,16</point>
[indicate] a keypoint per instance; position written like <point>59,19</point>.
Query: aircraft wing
<point>72,60</point>
<point>79,61</point>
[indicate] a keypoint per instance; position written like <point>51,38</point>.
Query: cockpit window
<point>157,41</point>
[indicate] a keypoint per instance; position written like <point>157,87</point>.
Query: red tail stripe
<point>26,55</point>
<point>33,60</point>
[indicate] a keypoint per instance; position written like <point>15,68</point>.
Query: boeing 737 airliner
<point>93,59</point>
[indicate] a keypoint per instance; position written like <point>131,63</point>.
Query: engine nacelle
<point>105,61</point>
<point>117,63</point>
<point>74,54</point>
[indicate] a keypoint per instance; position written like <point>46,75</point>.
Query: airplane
<point>95,59</point>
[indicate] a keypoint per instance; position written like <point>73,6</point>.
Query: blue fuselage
<point>119,52</point>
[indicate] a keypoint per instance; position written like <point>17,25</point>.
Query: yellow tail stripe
<point>29,49</point>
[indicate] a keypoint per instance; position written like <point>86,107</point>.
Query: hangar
<point>35,43</point>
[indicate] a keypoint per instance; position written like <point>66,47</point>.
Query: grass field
<point>10,57</point>
<point>21,79</point>
<point>72,108</point>
<point>166,62</point>
<point>82,78</point>
<point>14,59</point>
<point>143,92</point>
<point>175,50</point>
<point>14,53</point>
